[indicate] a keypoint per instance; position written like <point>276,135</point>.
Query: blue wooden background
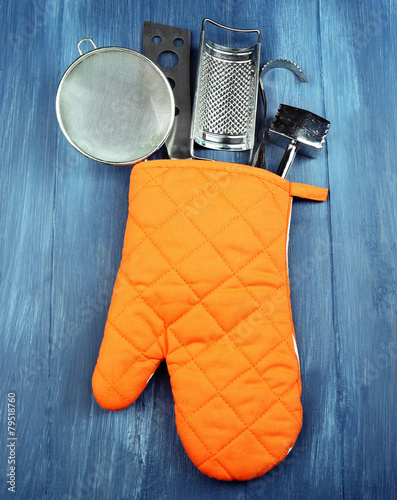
<point>62,221</point>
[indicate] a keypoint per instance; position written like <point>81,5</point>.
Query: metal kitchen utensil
<point>299,131</point>
<point>159,41</point>
<point>259,157</point>
<point>225,102</point>
<point>114,105</point>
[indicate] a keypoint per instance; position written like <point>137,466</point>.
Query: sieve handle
<point>85,40</point>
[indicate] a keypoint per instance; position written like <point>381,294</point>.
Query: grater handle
<point>287,159</point>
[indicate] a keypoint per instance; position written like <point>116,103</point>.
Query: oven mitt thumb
<point>203,284</point>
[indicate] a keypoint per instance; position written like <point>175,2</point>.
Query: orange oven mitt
<point>203,284</point>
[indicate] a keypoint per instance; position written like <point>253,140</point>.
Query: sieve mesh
<point>115,106</point>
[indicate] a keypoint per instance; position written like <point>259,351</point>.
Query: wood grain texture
<point>62,220</point>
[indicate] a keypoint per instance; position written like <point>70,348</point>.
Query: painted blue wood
<point>62,221</point>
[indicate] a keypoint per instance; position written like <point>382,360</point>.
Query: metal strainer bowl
<point>114,105</point>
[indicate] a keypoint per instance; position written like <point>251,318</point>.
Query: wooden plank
<point>95,449</point>
<point>359,64</point>
<point>316,453</point>
<point>26,240</point>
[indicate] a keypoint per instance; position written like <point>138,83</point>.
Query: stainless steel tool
<point>299,131</point>
<point>225,102</point>
<point>259,157</point>
<point>159,41</point>
<point>114,105</point>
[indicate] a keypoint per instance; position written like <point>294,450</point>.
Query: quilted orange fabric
<point>203,283</point>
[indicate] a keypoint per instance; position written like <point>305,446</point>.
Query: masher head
<point>303,127</point>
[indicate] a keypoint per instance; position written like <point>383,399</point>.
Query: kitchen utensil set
<point>117,106</point>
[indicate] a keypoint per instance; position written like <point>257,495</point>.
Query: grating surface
<point>226,93</point>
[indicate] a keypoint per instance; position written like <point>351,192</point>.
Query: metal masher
<point>299,131</point>
<point>224,110</point>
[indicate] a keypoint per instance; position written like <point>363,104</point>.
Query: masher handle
<point>287,159</point>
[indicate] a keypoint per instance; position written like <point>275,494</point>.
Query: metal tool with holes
<point>224,109</point>
<point>161,40</point>
<point>299,131</point>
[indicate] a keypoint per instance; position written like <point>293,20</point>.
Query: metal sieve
<point>114,105</point>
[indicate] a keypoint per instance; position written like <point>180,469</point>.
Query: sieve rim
<point>92,53</point>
